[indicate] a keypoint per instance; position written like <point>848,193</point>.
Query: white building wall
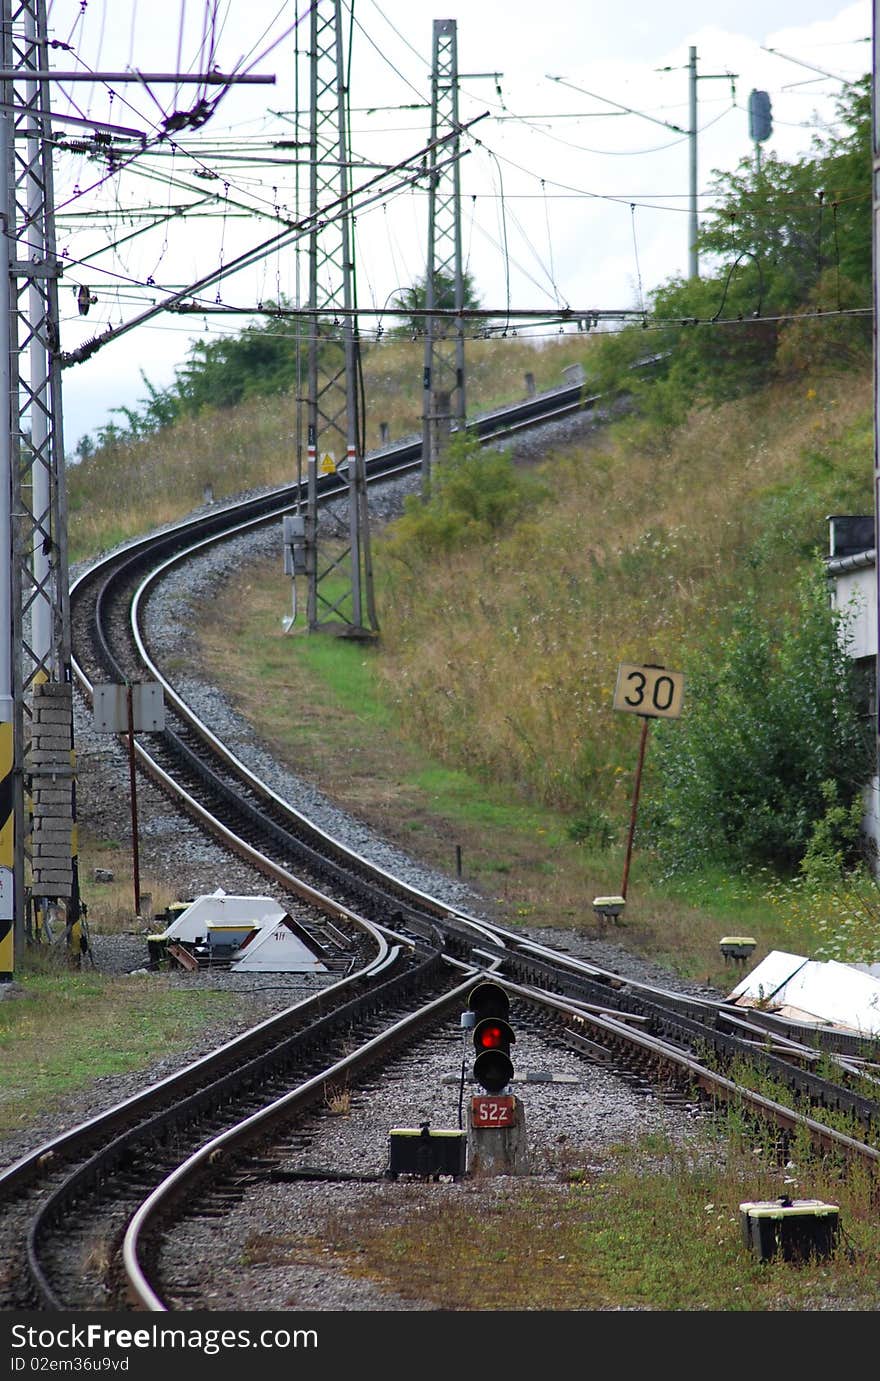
<point>871,816</point>
<point>856,590</point>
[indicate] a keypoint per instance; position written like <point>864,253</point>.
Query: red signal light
<point>491,1037</point>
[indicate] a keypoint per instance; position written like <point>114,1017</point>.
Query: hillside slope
<point>482,718</point>
<point>505,658</point>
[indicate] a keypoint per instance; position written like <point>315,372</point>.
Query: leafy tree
<point>415,299</point>
<point>791,240</point>
<point>261,360</point>
<point>772,731</point>
<point>160,409</point>
<point>797,220</point>
<point>258,361</point>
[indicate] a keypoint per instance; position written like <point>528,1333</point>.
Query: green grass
<point>344,674</point>
<point>740,899</point>
<point>348,670</point>
<point>347,673</point>
<point>61,1030</point>
<point>465,798</point>
<point>658,1228</point>
<point>322,706</point>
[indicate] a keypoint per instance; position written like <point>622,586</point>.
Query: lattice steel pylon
<point>875,228</point>
<point>338,566</point>
<point>443,380</point>
<point>38,610</point>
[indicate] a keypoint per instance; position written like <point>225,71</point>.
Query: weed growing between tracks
<point>749,1076</point>
<point>656,1228</point>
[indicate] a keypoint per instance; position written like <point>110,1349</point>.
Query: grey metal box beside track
<point>793,1229</point>
<point>420,1151</point>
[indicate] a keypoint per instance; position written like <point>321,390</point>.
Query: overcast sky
<point>567,199</point>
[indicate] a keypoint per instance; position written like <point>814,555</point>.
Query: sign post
<point>127,709</point>
<point>651,692</point>
<point>132,778</point>
<point>637,786</point>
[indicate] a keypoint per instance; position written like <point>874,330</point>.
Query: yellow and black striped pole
<point>7,852</point>
<point>75,935</point>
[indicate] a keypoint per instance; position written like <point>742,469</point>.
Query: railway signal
<point>493,1036</point>
<point>760,116</point>
<point>497,1143</point>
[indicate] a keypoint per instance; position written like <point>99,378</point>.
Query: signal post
<point>496,1121</point>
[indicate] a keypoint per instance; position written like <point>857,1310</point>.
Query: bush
<point>788,256</point>
<point>771,739</point>
<point>591,826</point>
<point>476,495</point>
<point>820,333</point>
<point>839,921</point>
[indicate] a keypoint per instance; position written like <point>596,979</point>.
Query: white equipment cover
<point>824,993</point>
<point>219,909</point>
<point>276,949</point>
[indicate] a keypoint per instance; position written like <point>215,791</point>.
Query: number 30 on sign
<point>648,690</point>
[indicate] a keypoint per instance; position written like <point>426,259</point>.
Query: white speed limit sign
<point>649,690</point>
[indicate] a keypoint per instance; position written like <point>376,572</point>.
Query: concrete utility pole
<point>693,217</point>
<point>693,221</point>
<point>691,132</point>
<point>338,571</point>
<point>444,381</point>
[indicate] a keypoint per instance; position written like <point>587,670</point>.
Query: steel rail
<point>30,1166</point>
<point>234,1138</point>
<point>611,1030</point>
<point>627,1029</point>
<point>240,1080</point>
<point>479,931</point>
<point>403,458</point>
<point>388,464</point>
<point>711,1010</point>
<point>256,784</point>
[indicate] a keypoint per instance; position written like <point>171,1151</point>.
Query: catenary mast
<point>443,383</point>
<point>338,565</point>
<point>36,690</point>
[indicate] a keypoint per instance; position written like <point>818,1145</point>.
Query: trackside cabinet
<point>794,1229</point>
<point>426,1153</point>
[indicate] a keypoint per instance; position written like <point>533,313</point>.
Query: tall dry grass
<point>130,487</point>
<point>506,658</point>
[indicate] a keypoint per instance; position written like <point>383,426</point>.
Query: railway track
<point>88,1213</point>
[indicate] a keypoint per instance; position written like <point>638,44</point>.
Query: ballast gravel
<point>276,1253</point>
<point>268,1251</point>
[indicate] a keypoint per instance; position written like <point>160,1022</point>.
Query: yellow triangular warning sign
<point>328,463</point>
